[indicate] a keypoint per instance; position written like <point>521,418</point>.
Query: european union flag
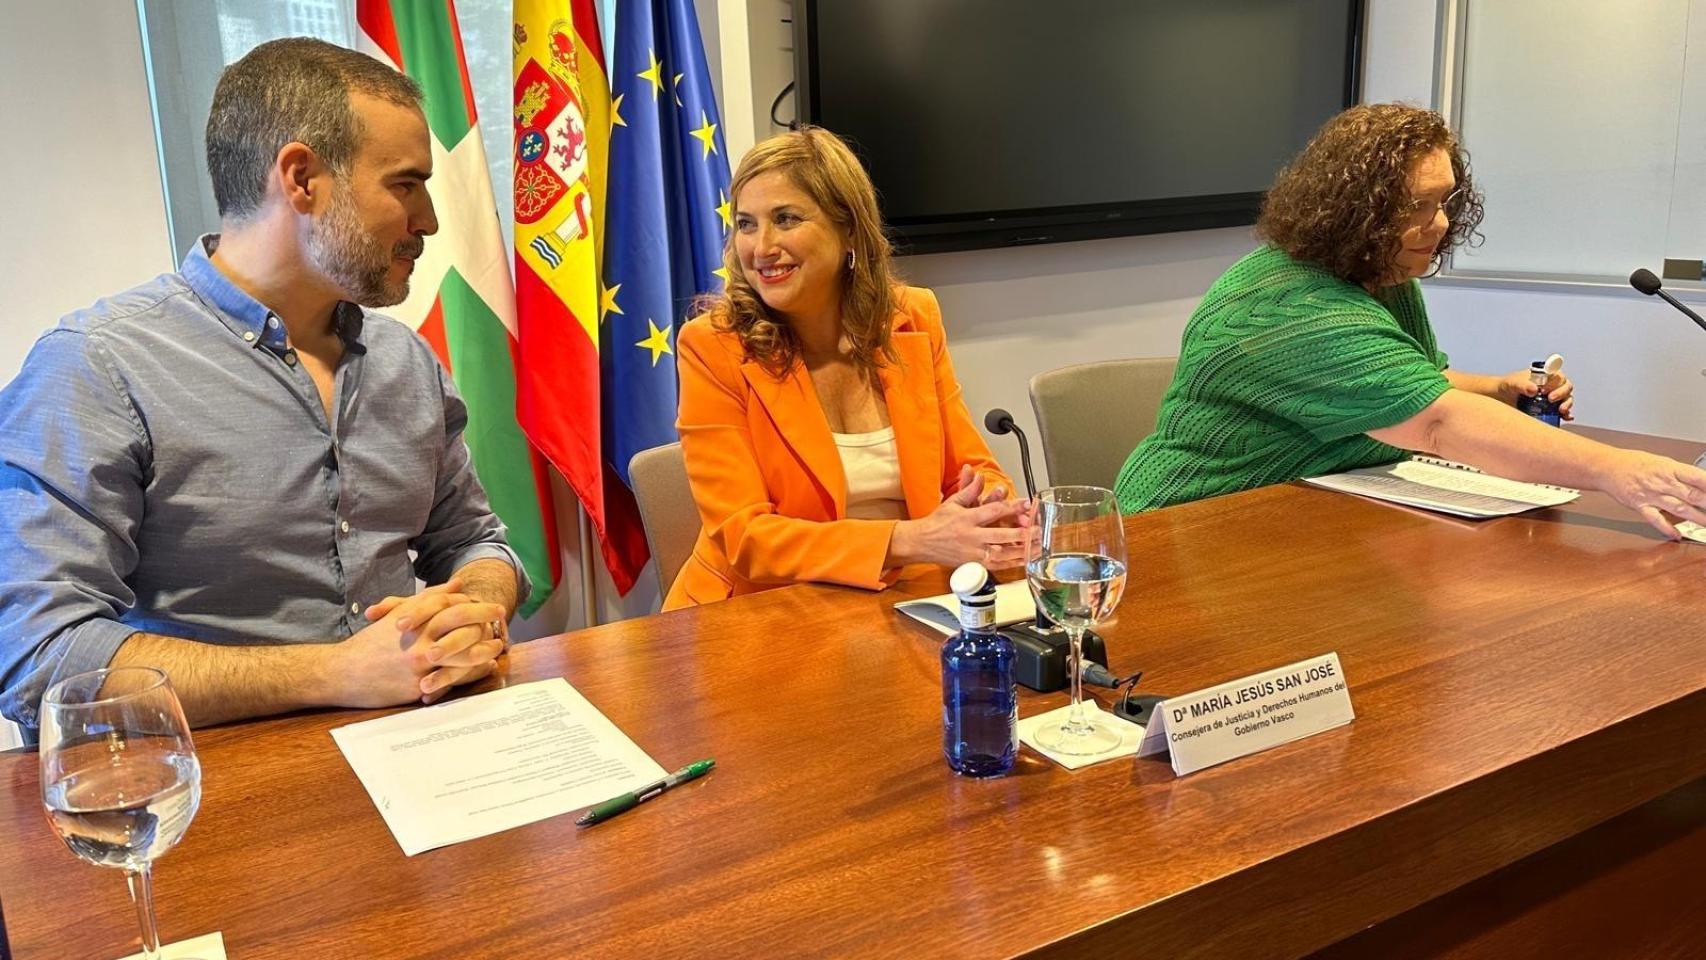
<point>666,214</point>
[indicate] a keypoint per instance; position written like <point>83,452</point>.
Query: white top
<point>872,465</point>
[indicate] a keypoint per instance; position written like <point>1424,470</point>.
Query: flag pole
<point>589,573</point>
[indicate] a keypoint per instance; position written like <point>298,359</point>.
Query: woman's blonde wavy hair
<point>820,164</point>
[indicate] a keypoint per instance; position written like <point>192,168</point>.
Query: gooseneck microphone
<point>1644,281</point>
<point>1040,647</point>
<point>999,421</point>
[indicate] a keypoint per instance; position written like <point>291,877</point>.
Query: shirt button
<point>290,358</point>
<point>343,526</point>
<point>355,608</point>
<point>249,335</point>
<point>272,323</point>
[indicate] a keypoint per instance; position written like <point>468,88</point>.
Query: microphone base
<point>1040,656</point>
<point>1137,708</point>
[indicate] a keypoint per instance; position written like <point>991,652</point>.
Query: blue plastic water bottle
<point>980,695</point>
<point>1538,406</point>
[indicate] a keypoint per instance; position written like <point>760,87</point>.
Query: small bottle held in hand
<point>1538,406</point>
<point>980,695</point>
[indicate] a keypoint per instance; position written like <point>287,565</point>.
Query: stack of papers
<point>1013,604</point>
<point>1446,487</point>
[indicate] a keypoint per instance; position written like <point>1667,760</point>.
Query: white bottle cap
<point>1554,363</point>
<point>968,578</point>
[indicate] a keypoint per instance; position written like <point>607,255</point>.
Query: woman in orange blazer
<point>822,426</point>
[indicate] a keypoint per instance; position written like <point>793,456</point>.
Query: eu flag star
<point>724,211</point>
<point>616,112</point>
<point>657,342</point>
<point>653,74</point>
<point>706,134</point>
<point>607,302</point>
<point>678,89</point>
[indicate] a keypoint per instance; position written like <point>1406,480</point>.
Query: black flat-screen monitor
<point>990,123</point>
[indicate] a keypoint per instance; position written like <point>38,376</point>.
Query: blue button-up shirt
<point>166,465</point>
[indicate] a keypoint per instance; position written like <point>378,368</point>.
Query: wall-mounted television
<point>988,123</point>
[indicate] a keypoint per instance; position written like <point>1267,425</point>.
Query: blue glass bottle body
<point>980,703</point>
<point>1538,406</point>
<point>1541,409</point>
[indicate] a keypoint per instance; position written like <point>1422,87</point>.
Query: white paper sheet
<point>1130,735</point>
<point>469,768</point>
<point>1447,487</point>
<point>1013,604</point>
<point>209,947</point>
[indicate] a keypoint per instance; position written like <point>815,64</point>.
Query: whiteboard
<point>1586,126</point>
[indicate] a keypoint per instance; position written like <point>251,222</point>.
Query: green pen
<point>629,801</point>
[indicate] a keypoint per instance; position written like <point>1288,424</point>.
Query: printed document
<point>468,768</point>
<point>1446,487</point>
<point>1013,603</point>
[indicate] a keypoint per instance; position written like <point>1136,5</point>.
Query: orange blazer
<point>766,474</point>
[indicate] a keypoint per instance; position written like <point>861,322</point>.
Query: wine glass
<point>1076,564</point>
<point>119,775</point>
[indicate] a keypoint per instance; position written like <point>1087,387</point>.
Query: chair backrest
<point>1092,415</point>
<point>666,509</point>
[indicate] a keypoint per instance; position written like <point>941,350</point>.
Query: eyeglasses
<point>1422,212</point>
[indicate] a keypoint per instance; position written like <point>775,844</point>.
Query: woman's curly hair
<point>1343,203</point>
<point>820,164</point>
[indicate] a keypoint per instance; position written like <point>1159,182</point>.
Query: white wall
<point>1016,312</point>
<point>83,214</point>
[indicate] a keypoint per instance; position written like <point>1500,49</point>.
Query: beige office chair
<point>1091,415</point>
<point>667,510</point>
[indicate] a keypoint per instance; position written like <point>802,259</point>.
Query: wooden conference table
<point>1516,682</point>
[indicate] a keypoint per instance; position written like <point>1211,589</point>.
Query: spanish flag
<point>562,142</point>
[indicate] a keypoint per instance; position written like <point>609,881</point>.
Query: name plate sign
<point>1250,715</point>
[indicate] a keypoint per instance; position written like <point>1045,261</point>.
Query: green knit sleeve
<point>1334,375</point>
<point>1407,307</point>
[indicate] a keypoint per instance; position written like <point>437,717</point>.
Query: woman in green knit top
<point>1313,354</point>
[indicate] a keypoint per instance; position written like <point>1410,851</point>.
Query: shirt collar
<point>247,317</point>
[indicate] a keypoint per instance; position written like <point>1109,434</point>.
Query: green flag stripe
<point>485,374</point>
<point>428,39</point>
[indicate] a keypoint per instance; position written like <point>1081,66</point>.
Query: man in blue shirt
<point>224,472</point>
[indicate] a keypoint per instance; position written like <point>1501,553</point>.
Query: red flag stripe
<point>625,547</point>
<point>557,387</point>
<point>432,330</point>
<point>586,24</point>
<point>557,401</point>
<point>375,20</point>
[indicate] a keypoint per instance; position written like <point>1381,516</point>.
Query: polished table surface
<point>1516,682</point>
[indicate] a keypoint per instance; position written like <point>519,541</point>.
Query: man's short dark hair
<point>292,90</point>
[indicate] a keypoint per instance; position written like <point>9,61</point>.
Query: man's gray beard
<point>352,259</point>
